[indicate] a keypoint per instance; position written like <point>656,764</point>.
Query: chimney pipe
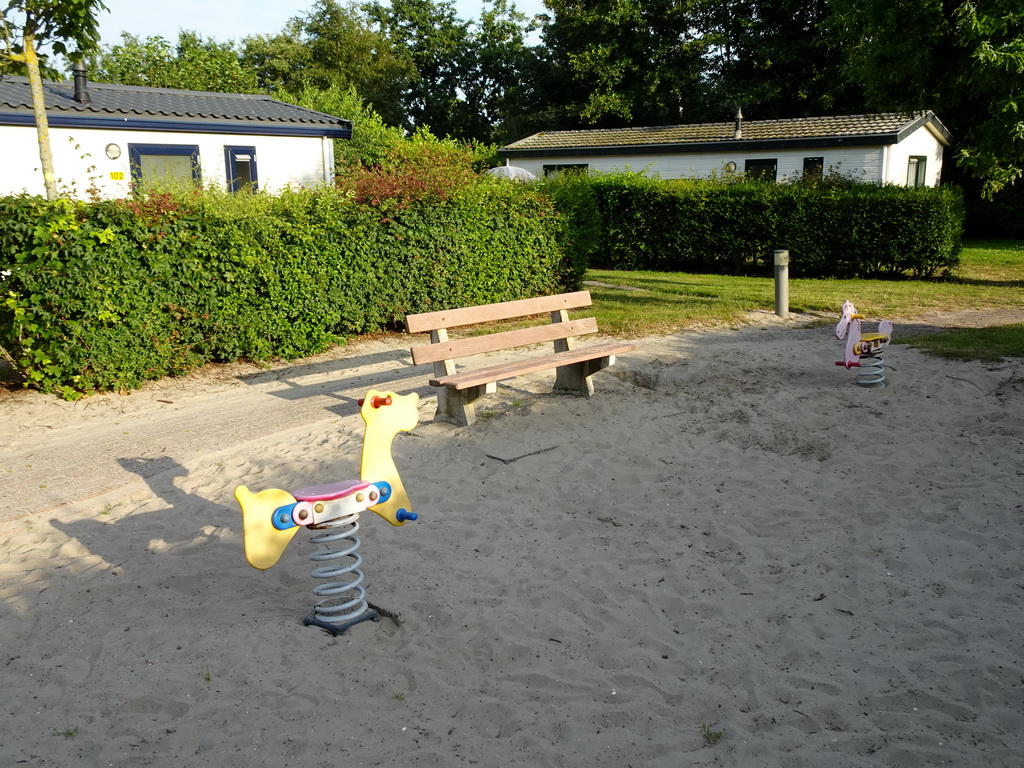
<point>81,82</point>
<point>739,124</point>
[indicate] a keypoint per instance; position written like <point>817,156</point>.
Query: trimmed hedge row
<point>840,231</point>
<point>107,295</point>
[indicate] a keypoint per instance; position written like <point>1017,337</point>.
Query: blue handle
<point>404,515</point>
<point>282,517</point>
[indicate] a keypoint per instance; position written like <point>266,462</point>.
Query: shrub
<point>730,227</point>
<point>106,295</point>
<point>872,231</point>
<point>421,170</point>
<point>581,226</point>
<point>87,304</point>
<point>370,141</point>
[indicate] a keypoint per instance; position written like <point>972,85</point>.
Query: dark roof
<point>848,130</point>
<point>165,109</point>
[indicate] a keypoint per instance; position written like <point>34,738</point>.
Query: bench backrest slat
<point>453,318</point>
<point>491,342</point>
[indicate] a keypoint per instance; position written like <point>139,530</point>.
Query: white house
<point>894,148</point>
<point>108,137</point>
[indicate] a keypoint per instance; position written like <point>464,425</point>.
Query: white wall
<point>80,160</point>
<point>870,164</point>
<point>920,143</point>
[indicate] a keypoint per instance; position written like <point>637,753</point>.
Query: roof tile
<point>160,103</point>
<point>752,130</point>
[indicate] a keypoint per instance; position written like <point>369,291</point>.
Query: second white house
<point>892,148</point>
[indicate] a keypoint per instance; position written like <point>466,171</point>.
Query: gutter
<point>178,126</point>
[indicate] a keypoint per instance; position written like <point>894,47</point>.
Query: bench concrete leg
<point>458,405</point>
<point>575,379</point>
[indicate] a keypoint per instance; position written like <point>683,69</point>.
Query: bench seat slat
<point>454,318</point>
<point>496,373</point>
<point>491,342</point>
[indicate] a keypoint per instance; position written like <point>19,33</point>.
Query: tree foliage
<point>773,58</point>
<point>334,45</point>
<point>194,64</point>
<point>628,61</point>
<point>279,61</point>
<point>67,27</point>
<point>963,59</point>
<point>497,87</point>
<point>437,43</point>
<point>372,140</point>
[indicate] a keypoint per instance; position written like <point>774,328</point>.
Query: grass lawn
<point>993,343</point>
<point>991,276</point>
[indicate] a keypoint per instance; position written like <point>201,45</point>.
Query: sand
<point>730,538</point>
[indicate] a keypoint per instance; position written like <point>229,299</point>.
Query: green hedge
<point>107,295</point>
<point>842,230</point>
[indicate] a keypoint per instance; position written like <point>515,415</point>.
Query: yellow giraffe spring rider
<point>863,352</point>
<point>272,517</point>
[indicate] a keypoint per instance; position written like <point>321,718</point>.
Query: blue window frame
<point>150,162</point>
<point>240,166</point>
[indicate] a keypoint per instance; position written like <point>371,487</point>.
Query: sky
<point>229,19</point>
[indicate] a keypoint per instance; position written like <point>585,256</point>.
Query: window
<point>761,170</point>
<point>240,164</point>
<point>814,166</point>
<point>163,162</point>
<point>554,170</point>
<point>916,168</point>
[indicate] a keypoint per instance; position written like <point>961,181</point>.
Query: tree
<point>194,64</point>
<point>631,61</point>
<point>279,61</point>
<point>438,44</point>
<point>26,26</point>
<point>497,89</point>
<point>773,58</point>
<point>994,37</point>
<point>334,45</point>
<point>347,51</point>
<point>372,140</point>
<point>963,59</point>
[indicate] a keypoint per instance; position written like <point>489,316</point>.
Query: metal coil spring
<point>871,372</point>
<point>342,603</point>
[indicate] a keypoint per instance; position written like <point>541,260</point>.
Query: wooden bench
<point>459,390</point>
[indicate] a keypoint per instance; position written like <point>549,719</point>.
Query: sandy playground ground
<point>729,539</point>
